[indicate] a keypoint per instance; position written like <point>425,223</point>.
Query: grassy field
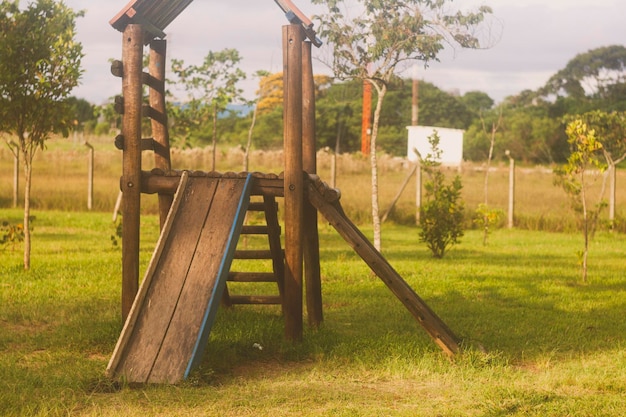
<point>60,183</point>
<point>538,342</point>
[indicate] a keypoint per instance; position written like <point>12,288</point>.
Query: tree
<point>441,215</point>
<point>586,155</point>
<point>210,87</point>
<point>610,131</point>
<point>387,34</point>
<point>527,130</point>
<point>486,215</point>
<point>270,92</point>
<point>593,80</point>
<point>262,75</point>
<point>39,66</point>
<point>477,101</point>
<point>338,118</point>
<point>590,73</point>
<point>83,112</point>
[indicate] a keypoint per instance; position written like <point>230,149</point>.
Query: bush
<point>441,216</point>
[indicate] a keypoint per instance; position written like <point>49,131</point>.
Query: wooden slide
<point>168,326</point>
<point>326,201</point>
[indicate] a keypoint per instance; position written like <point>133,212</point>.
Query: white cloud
<point>538,38</point>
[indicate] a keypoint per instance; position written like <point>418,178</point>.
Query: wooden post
<point>612,194</point>
<point>160,132</point>
<point>132,58</point>
<point>312,272</point>
<point>418,190</point>
<point>294,179</point>
<point>90,168</point>
<point>511,190</point>
<point>415,101</point>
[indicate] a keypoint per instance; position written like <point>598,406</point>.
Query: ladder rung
<point>253,254</point>
<point>254,230</point>
<point>252,277</point>
<point>256,206</point>
<point>260,206</point>
<point>255,299</point>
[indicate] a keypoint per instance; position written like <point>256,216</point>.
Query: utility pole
<point>366,118</point>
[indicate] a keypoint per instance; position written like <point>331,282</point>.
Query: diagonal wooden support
<point>333,212</point>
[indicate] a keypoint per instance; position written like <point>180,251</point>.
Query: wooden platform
<point>169,324</point>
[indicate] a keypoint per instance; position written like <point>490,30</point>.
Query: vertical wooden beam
<point>160,132</point>
<point>90,169</point>
<point>511,209</point>
<point>312,273</point>
<point>294,179</point>
<point>132,58</point>
<point>415,102</point>
<point>612,194</point>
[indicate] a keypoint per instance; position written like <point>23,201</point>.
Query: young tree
<point>385,35</point>
<point>39,66</point>
<point>487,215</point>
<point>610,129</point>
<point>210,87</point>
<point>441,216</point>
<point>262,75</point>
<point>586,155</point>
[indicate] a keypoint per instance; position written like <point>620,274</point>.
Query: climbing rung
<point>260,206</point>
<point>255,299</point>
<point>252,277</point>
<point>256,206</point>
<point>253,254</point>
<point>254,230</point>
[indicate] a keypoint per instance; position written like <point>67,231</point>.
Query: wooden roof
<point>155,15</point>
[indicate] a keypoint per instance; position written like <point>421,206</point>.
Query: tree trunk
<point>246,155</point>
<point>381,90</point>
<point>333,158</point>
<point>583,197</point>
<point>16,177</point>
<point>214,136</point>
<point>612,192</point>
<point>28,169</point>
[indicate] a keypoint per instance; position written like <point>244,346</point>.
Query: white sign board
<point>450,144</point>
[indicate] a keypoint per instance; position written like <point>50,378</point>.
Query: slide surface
<point>169,324</point>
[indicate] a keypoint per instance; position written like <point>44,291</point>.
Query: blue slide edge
<point>222,275</point>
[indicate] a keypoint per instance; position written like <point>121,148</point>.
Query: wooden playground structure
<point>168,319</point>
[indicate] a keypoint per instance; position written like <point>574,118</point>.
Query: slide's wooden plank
<point>196,308</point>
<point>130,323</point>
<point>433,325</point>
<point>167,281</point>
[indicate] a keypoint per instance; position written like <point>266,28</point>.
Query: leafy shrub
<point>11,234</point>
<point>485,217</point>
<point>441,216</point>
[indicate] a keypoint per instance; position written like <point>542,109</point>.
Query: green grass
<point>538,341</point>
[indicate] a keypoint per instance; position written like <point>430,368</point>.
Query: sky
<point>532,40</point>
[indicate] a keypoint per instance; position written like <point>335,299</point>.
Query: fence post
<point>511,189</point>
<point>90,176</point>
<point>418,190</point>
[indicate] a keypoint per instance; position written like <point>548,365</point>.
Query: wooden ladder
<point>275,253</point>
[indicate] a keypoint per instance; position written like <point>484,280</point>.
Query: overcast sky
<point>536,38</point>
